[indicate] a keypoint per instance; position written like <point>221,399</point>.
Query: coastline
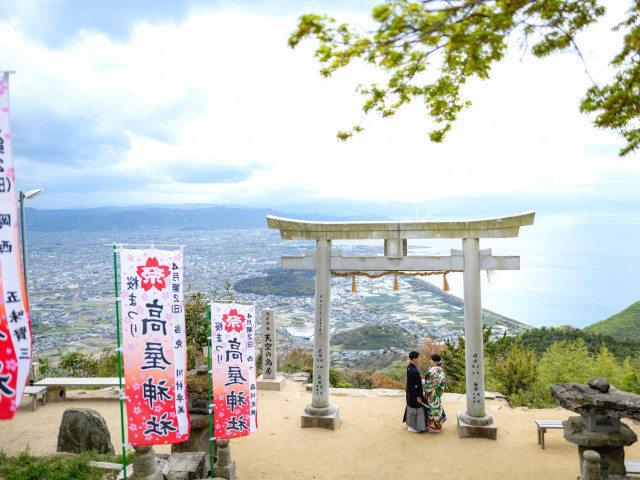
<point>423,284</point>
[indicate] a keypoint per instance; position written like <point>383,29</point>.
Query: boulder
<point>599,383</point>
<point>589,401</point>
<point>84,429</point>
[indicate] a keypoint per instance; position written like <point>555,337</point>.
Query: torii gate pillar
<point>474,422</point>
<point>321,413</point>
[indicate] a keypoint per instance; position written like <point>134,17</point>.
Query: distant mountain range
<point>214,217</point>
<point>623,325</point>
<point>179,218</point>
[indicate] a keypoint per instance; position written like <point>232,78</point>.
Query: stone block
<point>269,384</point>
<point>227,472</point>
<point>56,394</point>
<point>301,377</point>
<point>109,466</point>
<point>163,472</point>
<point>192,464</point>
<point>466,430</point>
<point>330,422</point>
<point>83,429</point>
<point>576,432</point>
<point>199,437</point>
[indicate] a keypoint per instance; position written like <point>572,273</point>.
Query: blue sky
<point>154,101</point>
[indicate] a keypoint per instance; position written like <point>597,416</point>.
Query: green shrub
<point>298,360</point>
<point>46,368</point>
<point>566,362</point>
<point>78,364</point>
<point>533,398</point>
<point>631,382</point>
<point>356,378</point>
<point>26,466</point>
<point>516,369</point>
<point>108,363</point>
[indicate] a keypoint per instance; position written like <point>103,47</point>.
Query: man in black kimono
<point>415,414</point>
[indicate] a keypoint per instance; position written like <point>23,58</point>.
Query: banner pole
<point>119,350</point>
<point>209,343</point>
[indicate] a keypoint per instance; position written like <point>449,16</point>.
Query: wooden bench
<point>543,425</point>
<point>632,466</point>
<point>57,386</point>
<point>36,392</point>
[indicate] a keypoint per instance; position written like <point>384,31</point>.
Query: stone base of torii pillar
<point>477,427</point>
<point>328,417</point>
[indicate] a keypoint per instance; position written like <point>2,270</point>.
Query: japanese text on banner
<point>233,375</point>
<point>154,346</point>
<point>15,326</point>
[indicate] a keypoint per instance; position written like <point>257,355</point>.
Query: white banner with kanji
<point>15,325</point>
<point>154,346</point>
<point>233,370</point>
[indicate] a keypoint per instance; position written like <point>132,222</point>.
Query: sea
<point>574,269</point>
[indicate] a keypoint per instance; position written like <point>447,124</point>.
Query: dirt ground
<point>371,441</point>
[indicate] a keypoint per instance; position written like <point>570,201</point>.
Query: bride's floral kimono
<point>434,384</point>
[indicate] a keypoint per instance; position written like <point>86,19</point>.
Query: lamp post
<point>28,195</point>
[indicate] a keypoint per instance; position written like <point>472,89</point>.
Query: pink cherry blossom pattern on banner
<point>11,364</point>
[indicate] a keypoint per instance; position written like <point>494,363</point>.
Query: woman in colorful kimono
<point>434,384</point>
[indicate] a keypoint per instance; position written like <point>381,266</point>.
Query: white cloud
<point>222,94</point>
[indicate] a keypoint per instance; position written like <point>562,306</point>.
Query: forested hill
<point>374,337</point>
<point>540,339</point>
<point>285,283</point>
<point>623,325</point>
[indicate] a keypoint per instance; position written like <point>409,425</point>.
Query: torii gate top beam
<point>497,227</point>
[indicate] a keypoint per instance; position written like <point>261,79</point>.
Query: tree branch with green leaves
<point>431,48</point>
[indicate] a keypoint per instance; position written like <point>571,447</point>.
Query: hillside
<point>540,339</point>
<point>623,325</point>
<point>374,337</point>
<point>285,283</point>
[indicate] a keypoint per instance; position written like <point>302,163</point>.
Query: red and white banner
<point>154,346</point>
<point>15,326</point>
<point>233,375</point>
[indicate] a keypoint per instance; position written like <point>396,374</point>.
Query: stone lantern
<point>598,427</point>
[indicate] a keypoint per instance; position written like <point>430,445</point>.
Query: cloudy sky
<point>152,101</point>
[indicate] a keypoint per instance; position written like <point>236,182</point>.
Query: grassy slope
<point>622,325</point>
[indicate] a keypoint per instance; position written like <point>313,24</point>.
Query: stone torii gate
<point>474,422</point>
